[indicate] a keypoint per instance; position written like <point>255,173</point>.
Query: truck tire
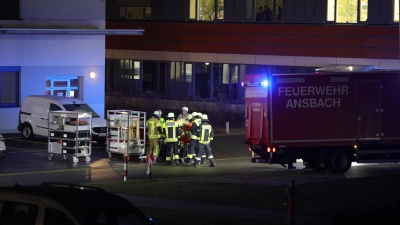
<point>339,161</point>
<point>27,132</point>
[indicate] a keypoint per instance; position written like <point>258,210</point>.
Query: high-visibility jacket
<point>194,131</point>
<point>172,131</point>
<point>153,128</point>
<point>206,133</point>
<point>162,122</point>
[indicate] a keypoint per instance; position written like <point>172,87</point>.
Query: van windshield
<point>81,108</point>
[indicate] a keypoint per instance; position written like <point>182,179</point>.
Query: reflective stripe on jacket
<point>172,131</point>
<point>206,133</point>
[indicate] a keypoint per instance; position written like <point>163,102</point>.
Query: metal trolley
<point>126,132</point>
<point>70,133</point>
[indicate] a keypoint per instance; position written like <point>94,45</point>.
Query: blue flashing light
<point>264,83</point>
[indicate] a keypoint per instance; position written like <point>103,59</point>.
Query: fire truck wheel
<point>339,161</point>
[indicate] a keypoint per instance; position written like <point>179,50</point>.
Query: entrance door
<point>368,110</point>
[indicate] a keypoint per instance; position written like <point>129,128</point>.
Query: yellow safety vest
<point>152,124</point>
<point>205,134</point>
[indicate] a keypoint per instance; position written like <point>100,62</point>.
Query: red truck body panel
<point>322,109</point>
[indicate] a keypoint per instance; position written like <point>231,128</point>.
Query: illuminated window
<point>396,11</point>
<point>206,10</point>
<point>62,86</point>
<point>188,75</point>
<point>363,10</point>
<point>347,11</point>
<point>9,86</point>
<point>129,69</point>
<point>330,14</point>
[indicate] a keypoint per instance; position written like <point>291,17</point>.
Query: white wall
<point>42,56</point>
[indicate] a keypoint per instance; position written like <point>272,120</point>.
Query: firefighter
<point>205,154</point>
<point>206,135</point>
<point>154,132</point>
<point>172,132</point>
<point>185,113</point>
<point>193,139</point>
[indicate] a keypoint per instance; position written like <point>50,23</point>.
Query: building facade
<point>43,51</point>
<point>200,49</point>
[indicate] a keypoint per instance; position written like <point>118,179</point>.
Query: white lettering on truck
<point>299,96</point>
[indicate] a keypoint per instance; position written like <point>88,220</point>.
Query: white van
<point>34,112</point>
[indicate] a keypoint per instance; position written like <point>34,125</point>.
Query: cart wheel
<point>65,157</point>
<point>110,155</point>
<point>87,159</point>
<point>75,159</point>
<point>50,157</point>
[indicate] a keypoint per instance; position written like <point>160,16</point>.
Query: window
<point>18,213</point>
<point>347,11</point>
<point>9,86</point>
<point>135,13</point>
<point>206,10</point>
<point>62,86</point>
<point>253,7</point>
<point>54,216</point>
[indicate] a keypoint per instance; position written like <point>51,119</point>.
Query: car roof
<point>76,198</point>
<point>63,100</point>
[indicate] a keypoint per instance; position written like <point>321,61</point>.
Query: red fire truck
<point>328,120</point>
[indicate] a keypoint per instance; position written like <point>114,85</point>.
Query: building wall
<point>41,56</point>
<point>268,44</point>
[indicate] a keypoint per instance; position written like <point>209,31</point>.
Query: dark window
<point>9,86</point>
<point>9,10</point>
<point>54,216</point>
<point>54,107</point>
<point>17,213</point>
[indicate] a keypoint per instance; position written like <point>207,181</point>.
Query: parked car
<point>33,116</point>
<point>66,204</point>
<point>2,148</point>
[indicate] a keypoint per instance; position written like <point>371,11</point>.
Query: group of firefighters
<point>192,131</point>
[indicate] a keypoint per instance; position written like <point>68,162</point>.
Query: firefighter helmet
<point>171,115</point>
<point>189,117</point>
<point>204,117</point>
<point>185,108</point>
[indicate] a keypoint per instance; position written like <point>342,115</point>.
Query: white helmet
<point>171,115</point>
<point>204,117</point>
<point>185,108</point>
<point>194,114</point>
<point>199,114</point>
<point>157,113</point>
<point>189,117</point>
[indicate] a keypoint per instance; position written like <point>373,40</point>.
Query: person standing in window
<point>267,13</point>
<point>260,14</point>
<point>279,16</point>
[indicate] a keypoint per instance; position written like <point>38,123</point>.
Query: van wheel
<point>27,132</point>
<point>339,161</point>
